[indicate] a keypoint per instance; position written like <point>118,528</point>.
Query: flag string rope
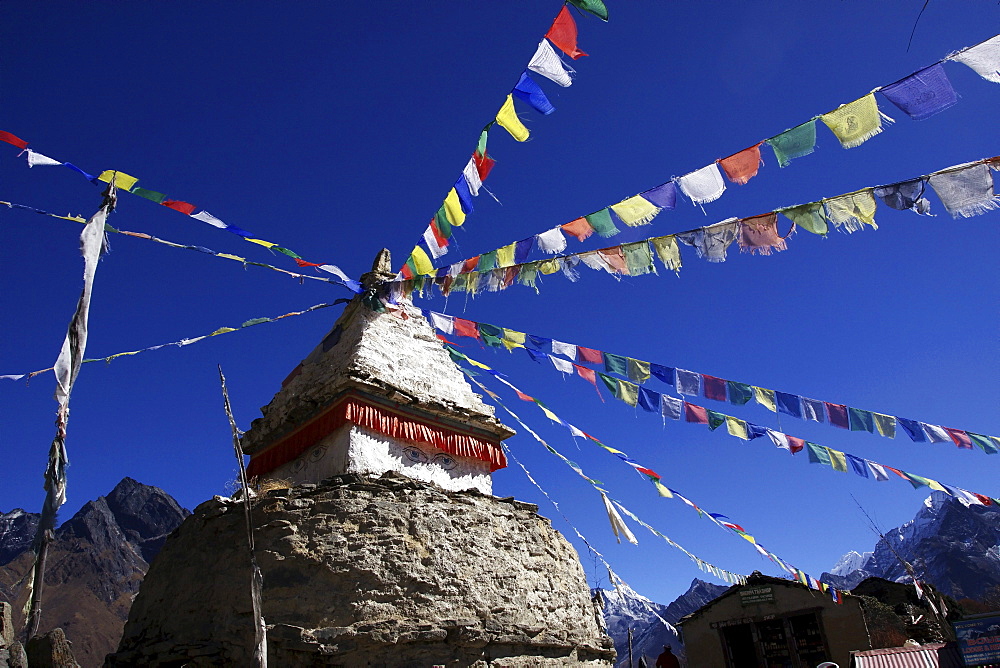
<point>201,249</point>
<point>719,519</point>
<point>564,358</point>
<point>966,189</point>
<point>706,184</point>
<point>182,342</point>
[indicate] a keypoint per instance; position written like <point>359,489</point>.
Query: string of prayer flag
<point>716,518</point>
<point>568,358</point>
<point>182,342</point>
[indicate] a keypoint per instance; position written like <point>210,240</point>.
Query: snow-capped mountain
<point>652,624</point>
<point>950,543</point>
<point>17,530</point>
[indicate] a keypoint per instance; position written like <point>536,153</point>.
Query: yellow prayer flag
<point>549,266</point>
<point>934,484</point>
<point>261,242</point>
<point>837,460</point>
<point>549,414</point>
<point>737,427</point>
<point>512,339</point>
<point>667,249</point>
<point>856,122</point>
<point>508,120</point>
<point>222,330</point>
<point>122,180</point>
<point>453,208</point>
<point>636,211</point>
<point>505,255</point>
<point>765,398</point>
<point>478,364</point>
<point>231,257</point>
<point>421,262</point>
<point>663,491</point>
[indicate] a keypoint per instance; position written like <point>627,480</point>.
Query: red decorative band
<point>382,420</point>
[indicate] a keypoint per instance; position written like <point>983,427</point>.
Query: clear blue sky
<point>337,129</point>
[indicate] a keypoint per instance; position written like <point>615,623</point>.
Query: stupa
<point>383,545</point>
<point>378,394</point>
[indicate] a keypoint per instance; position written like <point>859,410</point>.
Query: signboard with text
<point>978,640</point>
<point>753,595</point>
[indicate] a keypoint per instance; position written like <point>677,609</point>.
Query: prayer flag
<point>672,407</point>
<point>177,205</point>
<point>838,415</point>
<point>638,258</point>
<point>512,339</point>
<point>611,383</point>
<point>491,335</point>
<point>739,393</point>
<point>837,460</point>
<point>472,179</point>
<point>614,259</point>
<point>668,252</point>
<point>615,364</point>
<point>794,143</point>
<point>508,120</point>
<point>505,255</point>
<point>565,349</point>
<point>453,208</point>
<point>464,194</point>
<point>886,425</point>
<point>714,388</point>
<point>563,34</point>
<point>878,471</point>
<point>589,355</point>
<point>430,239</point>
<point>13,140</point>
<point>587,374</point>
<point>663,196</point>
<point>529,91</point>
<point>860,420</point>
<point>562,365</point>
<point>688,382</point>
<point>922,94</point>
<point>595,7</point>
<point>737,427</point>
<point>463,327</point>
<point>602,223</point>
<point>547,63</point>
<point>703,185</point>
<point>983,58</point>
<point>812,410</point>
<point>579,228</point>
<point>638,370</point>
<point>617,523</point>
<point>421,263</point>
<point>712,241</point>
<point>856,122</point>
<point>984,443</point>
<point>741,167</point>
<point>484,164</point>
<point>628,392</point>
<point>522,248</point>
<point>818,454</point>
<point>966,191</point>
<point>912,429</point>
<point>159,197</point>
<point>760,234</point>
<point>765,398</point>
<point>695,414</point>
<point>39,159</point>
<point>935,434</point>
<point>487,262</point>
<point>852,210</point>
<point>905,195</point>
<point>444,323</point>
<point>795,444</point>
<point>858,465</point>
<point>635,211</point>
<point>808,216</point>
<point>649,400</point>
<point>715,419</point>
<point>788,404</point>
<point>122,180</point>
<point>779,439</point>
<point>960,438</point>
<point>664,373</point>
<point>551,241</point>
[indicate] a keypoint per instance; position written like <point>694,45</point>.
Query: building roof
<point>931,655</point>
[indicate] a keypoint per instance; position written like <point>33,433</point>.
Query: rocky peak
<point>17,530</point>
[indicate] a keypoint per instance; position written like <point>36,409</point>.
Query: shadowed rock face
<point>95,565</point>
<point>362,571</point>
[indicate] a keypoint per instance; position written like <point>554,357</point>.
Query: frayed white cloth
<point>471,174</point>
<point>703,185</point>
<point>552,241</point>
<point>617,523</point>
<point>206,217</point>
<point>39,159</point>
<point>549,65</point>
<point>983,58</point>
<point>567,350</point>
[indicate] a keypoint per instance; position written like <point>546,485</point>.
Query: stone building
<point>386,548</point>
<point>774,622</point>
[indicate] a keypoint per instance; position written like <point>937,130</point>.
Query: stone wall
<point>368,572</point>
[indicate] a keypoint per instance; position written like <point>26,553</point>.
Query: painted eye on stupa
<point>447,462</point>
<point>298,465</point>
<point>317,453</point>
<point>415,455</point>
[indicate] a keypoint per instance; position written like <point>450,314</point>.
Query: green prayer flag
<point>287,252</point>
<point>595,7</point>
<point>528,275</point>
<point>638,371</point>
<point>715,420</point>
<point>739,393</point>
<point>491,334</point>
<point>916,480</point>
<point>483,136</point>
<point>983,442</point>
<point>615,364</point>
<point>809,217</point>
<point>638,258</point>
<point>628,392</point>
<point>255,321</point>
<point>610,382</point>
<point>487,261</point>
<point>818,454</point>
<point>443,224</point>
<point>149,194</point>
<point>794,143</point>
<point>602,223</point>
<point>860,420</point>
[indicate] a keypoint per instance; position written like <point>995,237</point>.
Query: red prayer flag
<point>302,263</point>
<point>587,374</point>
<point>178,205</point>
<point>589,355</point>
<point>742,166</point>
<point>961,439</point>
<point>441,240</point>
<point>484,163</point>
<point>795,444</point>
<point>897,472</point>
<point>406,272</point>
<point>694,413</point>
<point>465,327</point>
<point>715,388</point>
<point>523,397</point>
<point>563,34</point>
<point>579,228</point>
<point>987,501</point>
<point>650,472</point>
<point>470,265</point>
<point>11,139</point>
<point>838,415</point>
